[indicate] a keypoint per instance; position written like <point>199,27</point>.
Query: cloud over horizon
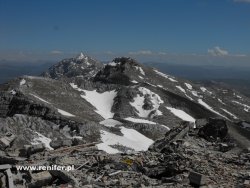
<point>217,51</point>
<point>56,52</point>
<point>141,52</point>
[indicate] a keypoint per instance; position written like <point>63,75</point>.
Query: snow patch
<point>139,102</point>
<point>39,98</point>
<point>203,89</point>
<point>134,81</point>
<point>189,97</point>
<point>103,102</point>
<point>181,114</point>
<point>141,77</point>
<point>239,97</point>
<point>136,120</point>
<point>221,101</point>
<point>64,113</point>
<point>246,107</point>
<point>161,74</point>
<point>229,113</point>
<point>195,93</point>
<point>113,64</point>
<point>181,89</point>
<point>165,76</point>
<point>22,82</point>
<point>74,86</point>
<point>140,69</point>
<point>42,139</point>
<point>151,84</point>
<point>110,122</point>
<point>131,138</point>
<point>172,80</point>
<point>200,101</point>
<point>189,86</point>
<point>80,56</point>
<point>12,92</point>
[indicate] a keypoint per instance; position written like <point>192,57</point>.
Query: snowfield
<point>181,114</point>
<point>139,102</point>
<point>103,102</point>
<point>131,139</point>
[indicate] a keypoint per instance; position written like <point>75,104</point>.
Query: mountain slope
<point>124,90</point>
<point>122,106</point>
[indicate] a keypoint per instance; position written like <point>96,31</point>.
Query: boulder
<point>55,144</point>
<point>214,129</point>
<point>7,140</point>
<point>31,149</point>
<point>40,179</point>
<point>197,179</point>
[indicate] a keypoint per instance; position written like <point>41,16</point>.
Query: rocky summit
<point>121,124</point>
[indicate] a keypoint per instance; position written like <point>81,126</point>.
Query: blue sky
<point>148,29</point>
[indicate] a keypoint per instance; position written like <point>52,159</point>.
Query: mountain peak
<point>125,60</point>
<point>80,66</point>
<point>81,56</point>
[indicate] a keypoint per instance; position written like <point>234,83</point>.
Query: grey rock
<point>197,178</point>
<point>40,179</point>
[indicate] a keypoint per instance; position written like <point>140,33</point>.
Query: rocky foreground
<point>204,156</point>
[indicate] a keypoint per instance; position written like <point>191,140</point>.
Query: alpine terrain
<point>121,124</point>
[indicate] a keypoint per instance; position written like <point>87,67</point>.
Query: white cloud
<point>242,1</point>
<point>141,52</point>
<point>56,52</point>
<point>162,53</point>
<point>217,51</point>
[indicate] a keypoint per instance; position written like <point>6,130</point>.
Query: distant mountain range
<point>238,78</point>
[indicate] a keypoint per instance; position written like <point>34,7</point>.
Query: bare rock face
<point>82,66</point>
<point>214,129</point>
<point>119,71</point>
